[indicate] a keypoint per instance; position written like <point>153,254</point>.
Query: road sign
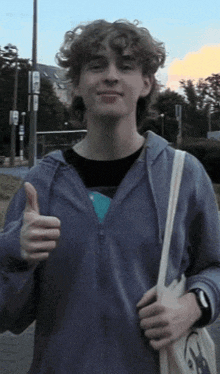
<point>35,82</point>
<point>14,117</point>
<point>35,102</point>
<point>21,130</point>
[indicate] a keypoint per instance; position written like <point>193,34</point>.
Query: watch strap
<point>204,305</point>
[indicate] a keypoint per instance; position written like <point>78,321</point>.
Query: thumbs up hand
<point>39,234</point>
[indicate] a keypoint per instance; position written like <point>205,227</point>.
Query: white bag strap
<point>178,164</point>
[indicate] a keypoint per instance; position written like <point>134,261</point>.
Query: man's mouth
<point>110,93</point>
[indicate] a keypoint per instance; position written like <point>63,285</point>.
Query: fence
<point>48,141</point>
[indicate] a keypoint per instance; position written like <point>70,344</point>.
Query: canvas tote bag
<point>193,353</point>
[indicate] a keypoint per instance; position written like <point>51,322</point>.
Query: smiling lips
<point>109,97</point>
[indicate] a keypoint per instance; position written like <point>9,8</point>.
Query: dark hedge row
<point>208,153</point>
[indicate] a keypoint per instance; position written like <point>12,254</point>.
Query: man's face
<point>111,84</point>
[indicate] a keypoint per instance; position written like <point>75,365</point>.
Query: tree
<point>203,98</point>
<point>197,108</point>
<point>213,90</point>
<point>166,102</point>
<point>52,113</point>
<point>165,106</point>
<point>7,80</point>
<point>213,94</point>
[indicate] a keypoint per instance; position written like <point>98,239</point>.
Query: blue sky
<point>185,27</point>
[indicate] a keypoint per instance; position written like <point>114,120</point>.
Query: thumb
<point>31,198</point>
<point>149,297</point>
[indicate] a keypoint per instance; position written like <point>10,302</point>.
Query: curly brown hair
<point>85,40</point>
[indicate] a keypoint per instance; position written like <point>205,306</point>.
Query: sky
<point>190,30</point>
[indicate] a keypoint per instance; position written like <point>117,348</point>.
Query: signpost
<point>13,117</point>
<point>34,91</point>
<point>21,136</point>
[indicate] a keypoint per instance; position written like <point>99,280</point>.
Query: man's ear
<point>148,83</point>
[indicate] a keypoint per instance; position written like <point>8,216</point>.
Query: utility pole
<point>14,108</point>
<point>34,91</point>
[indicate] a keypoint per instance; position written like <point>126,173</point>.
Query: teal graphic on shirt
<point>101,204</point>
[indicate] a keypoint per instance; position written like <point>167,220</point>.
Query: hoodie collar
<point>155,144</point>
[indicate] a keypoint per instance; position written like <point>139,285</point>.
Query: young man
<point>83,238</point>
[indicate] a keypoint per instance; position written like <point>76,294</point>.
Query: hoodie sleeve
<point>204,237</point>
<point>16,276</point>
<point>18,285</point>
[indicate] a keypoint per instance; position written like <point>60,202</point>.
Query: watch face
<point>203,299</point>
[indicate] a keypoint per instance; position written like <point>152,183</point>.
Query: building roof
<point>58,79</point>
<point>54,74</point>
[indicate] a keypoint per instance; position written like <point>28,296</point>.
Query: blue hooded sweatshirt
<point>84,296</point>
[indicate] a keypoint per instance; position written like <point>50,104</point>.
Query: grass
<point>9,185</point>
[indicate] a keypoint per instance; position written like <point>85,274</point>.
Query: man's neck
<point>110,141</point>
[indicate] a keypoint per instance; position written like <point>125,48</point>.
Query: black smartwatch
<point>204,305</point>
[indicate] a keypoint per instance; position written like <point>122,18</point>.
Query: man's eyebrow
<point>96,57</point>
<point>128,57</point>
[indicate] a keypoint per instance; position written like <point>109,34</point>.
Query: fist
<point>39,234</point>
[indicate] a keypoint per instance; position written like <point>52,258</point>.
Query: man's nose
<point>111,75</point>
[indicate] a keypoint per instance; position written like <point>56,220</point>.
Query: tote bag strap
<point>178,164</point>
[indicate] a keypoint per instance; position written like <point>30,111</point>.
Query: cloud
<point>195,65</point>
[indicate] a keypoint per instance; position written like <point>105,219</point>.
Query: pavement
<point>19,171</point>
<point>16,351</point>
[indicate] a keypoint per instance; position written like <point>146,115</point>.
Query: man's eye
<point>127,66</point>
<point>96,66</point>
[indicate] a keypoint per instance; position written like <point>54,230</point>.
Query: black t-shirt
<point>101,175</point>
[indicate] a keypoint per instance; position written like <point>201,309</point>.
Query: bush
<point>208,153</point>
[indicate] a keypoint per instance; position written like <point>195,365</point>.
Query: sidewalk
<point>17,162</point>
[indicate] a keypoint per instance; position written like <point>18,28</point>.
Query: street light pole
<point>33,95</point>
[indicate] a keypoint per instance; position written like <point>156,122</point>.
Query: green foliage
<point>203,98</point>
<point>51,115</point>
<point>212,84</point>
<point>165,125</point>
<point>166,103</point>
<point>208,153</point>
<point>168,129</point>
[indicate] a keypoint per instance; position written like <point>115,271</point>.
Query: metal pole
<point>33,113</point>
<point>13,134</point>
<point>21,136</point>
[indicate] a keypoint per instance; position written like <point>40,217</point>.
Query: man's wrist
<point>204,305</point>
